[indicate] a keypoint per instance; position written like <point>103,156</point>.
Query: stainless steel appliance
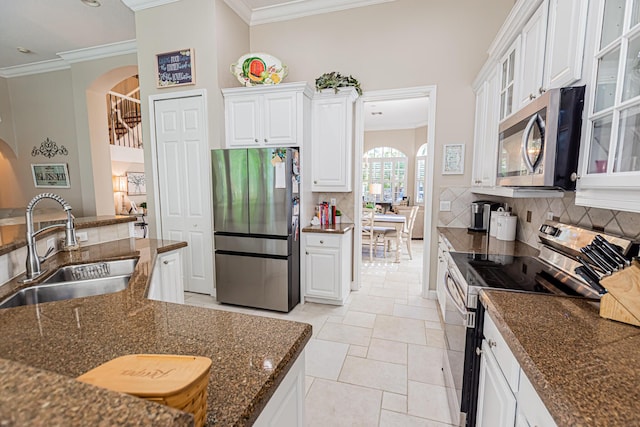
<point>256,227</point>
<point>552,272</point>
<point>481,214</point>
<point>539,145</point>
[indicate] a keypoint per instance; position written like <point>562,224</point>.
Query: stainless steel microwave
<point>539,145</point>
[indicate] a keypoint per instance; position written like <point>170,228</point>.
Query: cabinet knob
<point>266,140</point>
<point>532,96</point>
<point>165,262</point>
<point>491,343</point>
<point>255,140</point>
<point>322,242</point>
<point>315,182</point>
<point>574,177</point>
<point>307,253</point>
<point>541,90</point>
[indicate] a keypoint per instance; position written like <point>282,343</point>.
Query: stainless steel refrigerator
<point>256,227</point>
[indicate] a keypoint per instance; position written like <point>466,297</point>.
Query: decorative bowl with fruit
<point>259,69</point>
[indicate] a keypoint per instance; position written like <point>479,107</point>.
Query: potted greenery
<point>143,205</point>
<point>335,81</point>
<point>338,216</point>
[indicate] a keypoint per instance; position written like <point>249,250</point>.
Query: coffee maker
<point>481,214</point>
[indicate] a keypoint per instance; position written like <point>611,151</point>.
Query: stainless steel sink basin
<point>76,281</point>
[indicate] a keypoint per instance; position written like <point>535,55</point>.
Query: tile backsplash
<point>564,210</point>
<point>344,202</point>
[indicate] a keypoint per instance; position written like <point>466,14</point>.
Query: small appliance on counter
<point>480,214</point>
<point>506,227</point>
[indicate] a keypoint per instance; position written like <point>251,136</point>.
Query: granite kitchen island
<point>251,354</point>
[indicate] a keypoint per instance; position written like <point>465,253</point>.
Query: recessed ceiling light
<point>23,49</point>
<point>92,3</point>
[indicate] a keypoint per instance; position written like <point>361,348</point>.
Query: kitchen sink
<point>76,281</point>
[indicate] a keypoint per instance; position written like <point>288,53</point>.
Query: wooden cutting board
<point>622,300</point>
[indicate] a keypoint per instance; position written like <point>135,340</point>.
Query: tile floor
<point>377,360</point>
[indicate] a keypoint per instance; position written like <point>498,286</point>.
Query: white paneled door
<point>184,185</point>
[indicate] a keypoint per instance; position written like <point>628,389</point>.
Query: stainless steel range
<point>552,272</point>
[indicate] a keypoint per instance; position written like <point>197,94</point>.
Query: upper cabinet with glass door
<point>610,170</point>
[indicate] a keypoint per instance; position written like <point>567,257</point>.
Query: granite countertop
<point>332,229</point>
<point>584,368</point>
<point>463,240</point>
<point>14,236</point>
<point>71,337</point>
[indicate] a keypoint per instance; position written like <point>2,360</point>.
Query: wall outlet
<point>550,216</point>
<point>445,205</point>
<point>51,243</point>
<point>528,216</point>
<point>333,201</point>
<point>83,236</point>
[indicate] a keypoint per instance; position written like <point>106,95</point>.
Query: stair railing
<point>124,119</point>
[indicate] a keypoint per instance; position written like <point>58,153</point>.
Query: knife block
<point>622,300</point>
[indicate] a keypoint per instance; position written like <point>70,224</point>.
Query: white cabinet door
<point>479,135</point>
<point>530,406</point>
<point>243,121</point>
<point>486,133</point>
<point>332,140</point>
<point>327,267</point>
<point>441,277</point>
<point>280,119</point>
<point>167,282</point>
<point>508,80</point>
<point>566,31</point>
<point>496,402</point>
<point>532,52</point>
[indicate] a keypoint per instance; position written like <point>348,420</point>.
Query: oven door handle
<point>459,300</point>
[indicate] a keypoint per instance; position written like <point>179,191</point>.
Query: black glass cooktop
<point>519,273</point>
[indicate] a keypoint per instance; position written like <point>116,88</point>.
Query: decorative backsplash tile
<point>564,209</point>
<point>344,202</point>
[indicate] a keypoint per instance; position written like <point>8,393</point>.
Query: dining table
<point>392,221</point>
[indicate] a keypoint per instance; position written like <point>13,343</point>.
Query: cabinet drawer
<point>323,240</point>
<point>505,358</point>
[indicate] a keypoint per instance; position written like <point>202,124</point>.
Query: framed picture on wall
<point>175,68</point>
<point>453,159</point>
<point>50,175</point>
<point>136,185</point>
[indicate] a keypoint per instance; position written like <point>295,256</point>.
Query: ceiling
<point>52,30</point>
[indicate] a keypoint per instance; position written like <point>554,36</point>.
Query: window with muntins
<point>421,167</point>
<point>386,166</point>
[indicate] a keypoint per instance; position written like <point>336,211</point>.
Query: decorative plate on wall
<point>259,69</point>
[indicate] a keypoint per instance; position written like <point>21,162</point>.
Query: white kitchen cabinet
<point>531,410</point>
<point>327,267</point>
<point>496,401</point>
<point>266,116</point>
<point>167,280</point>
<point>485,139</point>
<point>566,32</point>
<point>508,83</point>
<point>332,140</point>
<point>442,274</point>
<point>532,53</point>
<point>286,407</point>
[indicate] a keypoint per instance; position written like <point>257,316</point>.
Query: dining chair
<point>406,233</point>
<point>369,234</point>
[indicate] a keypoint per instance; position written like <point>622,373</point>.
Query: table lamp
<point>120,186</point>
<point>374,190</point>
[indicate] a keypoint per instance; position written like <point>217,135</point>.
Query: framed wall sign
<point>136,184</point>
<point>50,175</point>
<point>453,159</point>
<point>175,68</point>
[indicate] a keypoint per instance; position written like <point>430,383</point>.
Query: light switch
<point>445,205</point>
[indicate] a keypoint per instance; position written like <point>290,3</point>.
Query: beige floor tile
<point>435,338</point>
<point>369,304</point>
<point>308,380</point>
<point>358,351</point>
<point>331,403</point>
<point>404,277</point>
<point>325,358</point>
<point>418,301</point>
<point>345,334</point>
<point>374,374</point>
<point>388,292</point>
<point>425,364</point>
<point>394,402</point>
<point>400,329</point>
<point>433,325</point>
<point>395,419</point>
<point>335,319</point>
<point>388,351</point>
<point>358,318</point>
<point>413,312</point>
<point>428,401</point>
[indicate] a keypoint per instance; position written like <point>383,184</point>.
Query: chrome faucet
<point>33,260</point>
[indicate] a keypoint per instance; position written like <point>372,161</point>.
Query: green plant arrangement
<point>335,80</point>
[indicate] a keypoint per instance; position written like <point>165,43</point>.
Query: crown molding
<point>137,5</point>
<point>97,52</point>
<point>70,57</point>
<point>286,11</point>
<point>34,68</point>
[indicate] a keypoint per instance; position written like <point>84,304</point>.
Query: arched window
<point>388,167</point>
<point>421,170</point>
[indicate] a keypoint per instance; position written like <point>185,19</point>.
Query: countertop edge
<point>341,228</point>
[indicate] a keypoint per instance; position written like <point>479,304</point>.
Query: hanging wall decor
<point>50,175</point>
<point>175,68</point>
<point>49,148</point>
